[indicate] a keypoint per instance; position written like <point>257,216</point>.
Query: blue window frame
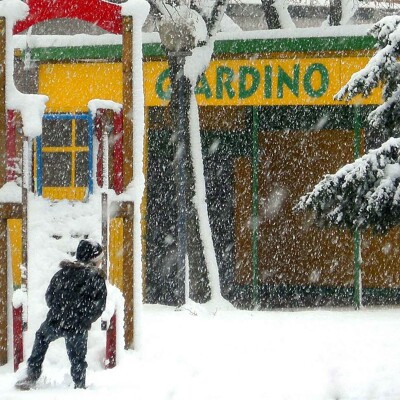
<point>59,162</point>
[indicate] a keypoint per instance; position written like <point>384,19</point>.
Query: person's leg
<point>76,344</point>
<point>44,336</point>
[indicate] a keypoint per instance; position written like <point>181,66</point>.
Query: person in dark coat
<point>76,298</point>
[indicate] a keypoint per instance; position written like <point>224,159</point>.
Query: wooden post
<point>128,274</point>
<point>126,208</point>
<point>127,71</point>
<point>3,110</point>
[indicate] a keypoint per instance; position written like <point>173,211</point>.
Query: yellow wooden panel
<point>116,252</point>
<point>276,81</point>
<point>71,86</point>
<point>64,193</point>
<point>267,81</point>
<point>15,238</point>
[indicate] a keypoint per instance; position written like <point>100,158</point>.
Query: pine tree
<point>366,193</point>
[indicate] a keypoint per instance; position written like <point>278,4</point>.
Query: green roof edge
<point>241,46</point>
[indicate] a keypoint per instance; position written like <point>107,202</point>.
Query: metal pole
<point>254,213</point>
<point>357,235</point>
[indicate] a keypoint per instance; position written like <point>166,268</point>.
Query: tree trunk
<point>271,14</point>
<point>188,231</point>
<point>335,12</point>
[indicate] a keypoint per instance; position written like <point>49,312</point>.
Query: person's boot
<point>26,383</point>
<point>80,385</point>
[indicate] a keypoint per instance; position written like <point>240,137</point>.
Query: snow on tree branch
<point>383,67</point>
<point>365,193</point>
<point>217,13</point>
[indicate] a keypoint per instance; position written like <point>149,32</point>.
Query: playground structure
<point>262,102</point>
<point>103,119</point>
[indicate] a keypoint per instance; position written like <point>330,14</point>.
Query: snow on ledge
<point>10,193</point>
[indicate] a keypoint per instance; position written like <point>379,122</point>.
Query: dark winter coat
<point>76,296</point>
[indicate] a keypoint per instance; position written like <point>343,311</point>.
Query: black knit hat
<point>88,250</point>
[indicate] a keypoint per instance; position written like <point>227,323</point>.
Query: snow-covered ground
<point>201,353</point>
<point>314,354</point>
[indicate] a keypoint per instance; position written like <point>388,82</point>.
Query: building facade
<point>270,130</point>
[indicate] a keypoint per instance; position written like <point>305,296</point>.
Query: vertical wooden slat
<point>15,256</point>
<point>11,146</point>
<point>127,141</point>
<point>3,222</point>
<point>128,274</point>
<point>3,111</point>
<point>18,337</point>
<point>127,70</point>
<point>111,344</point>
<point>124,211</point>
<point>109,127</point>
<point>15,239</point>
<point>118,183</point>
<point>116,252</point>
<point>98,126</point>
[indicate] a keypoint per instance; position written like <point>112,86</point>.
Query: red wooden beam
<point>18,340</point>
<point>111,344</point>
<point>98,127</point>
<point>103,14</point>
<point>118,175</point>
<point>11,146</point>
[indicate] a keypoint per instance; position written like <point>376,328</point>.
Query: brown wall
<point>381,259</point>
<point>290,250</point>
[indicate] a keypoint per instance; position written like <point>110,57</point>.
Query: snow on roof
<point>325,3</point>
<point>328,31</point>
<point>34,41</point>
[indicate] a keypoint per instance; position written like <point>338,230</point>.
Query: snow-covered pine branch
<point>382,67</point>
<point>365,193</point>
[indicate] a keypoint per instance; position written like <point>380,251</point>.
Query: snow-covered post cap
<point>31,106</point>
<point>137,9</point>
<point>13,10</point>
<point>97,104</point>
